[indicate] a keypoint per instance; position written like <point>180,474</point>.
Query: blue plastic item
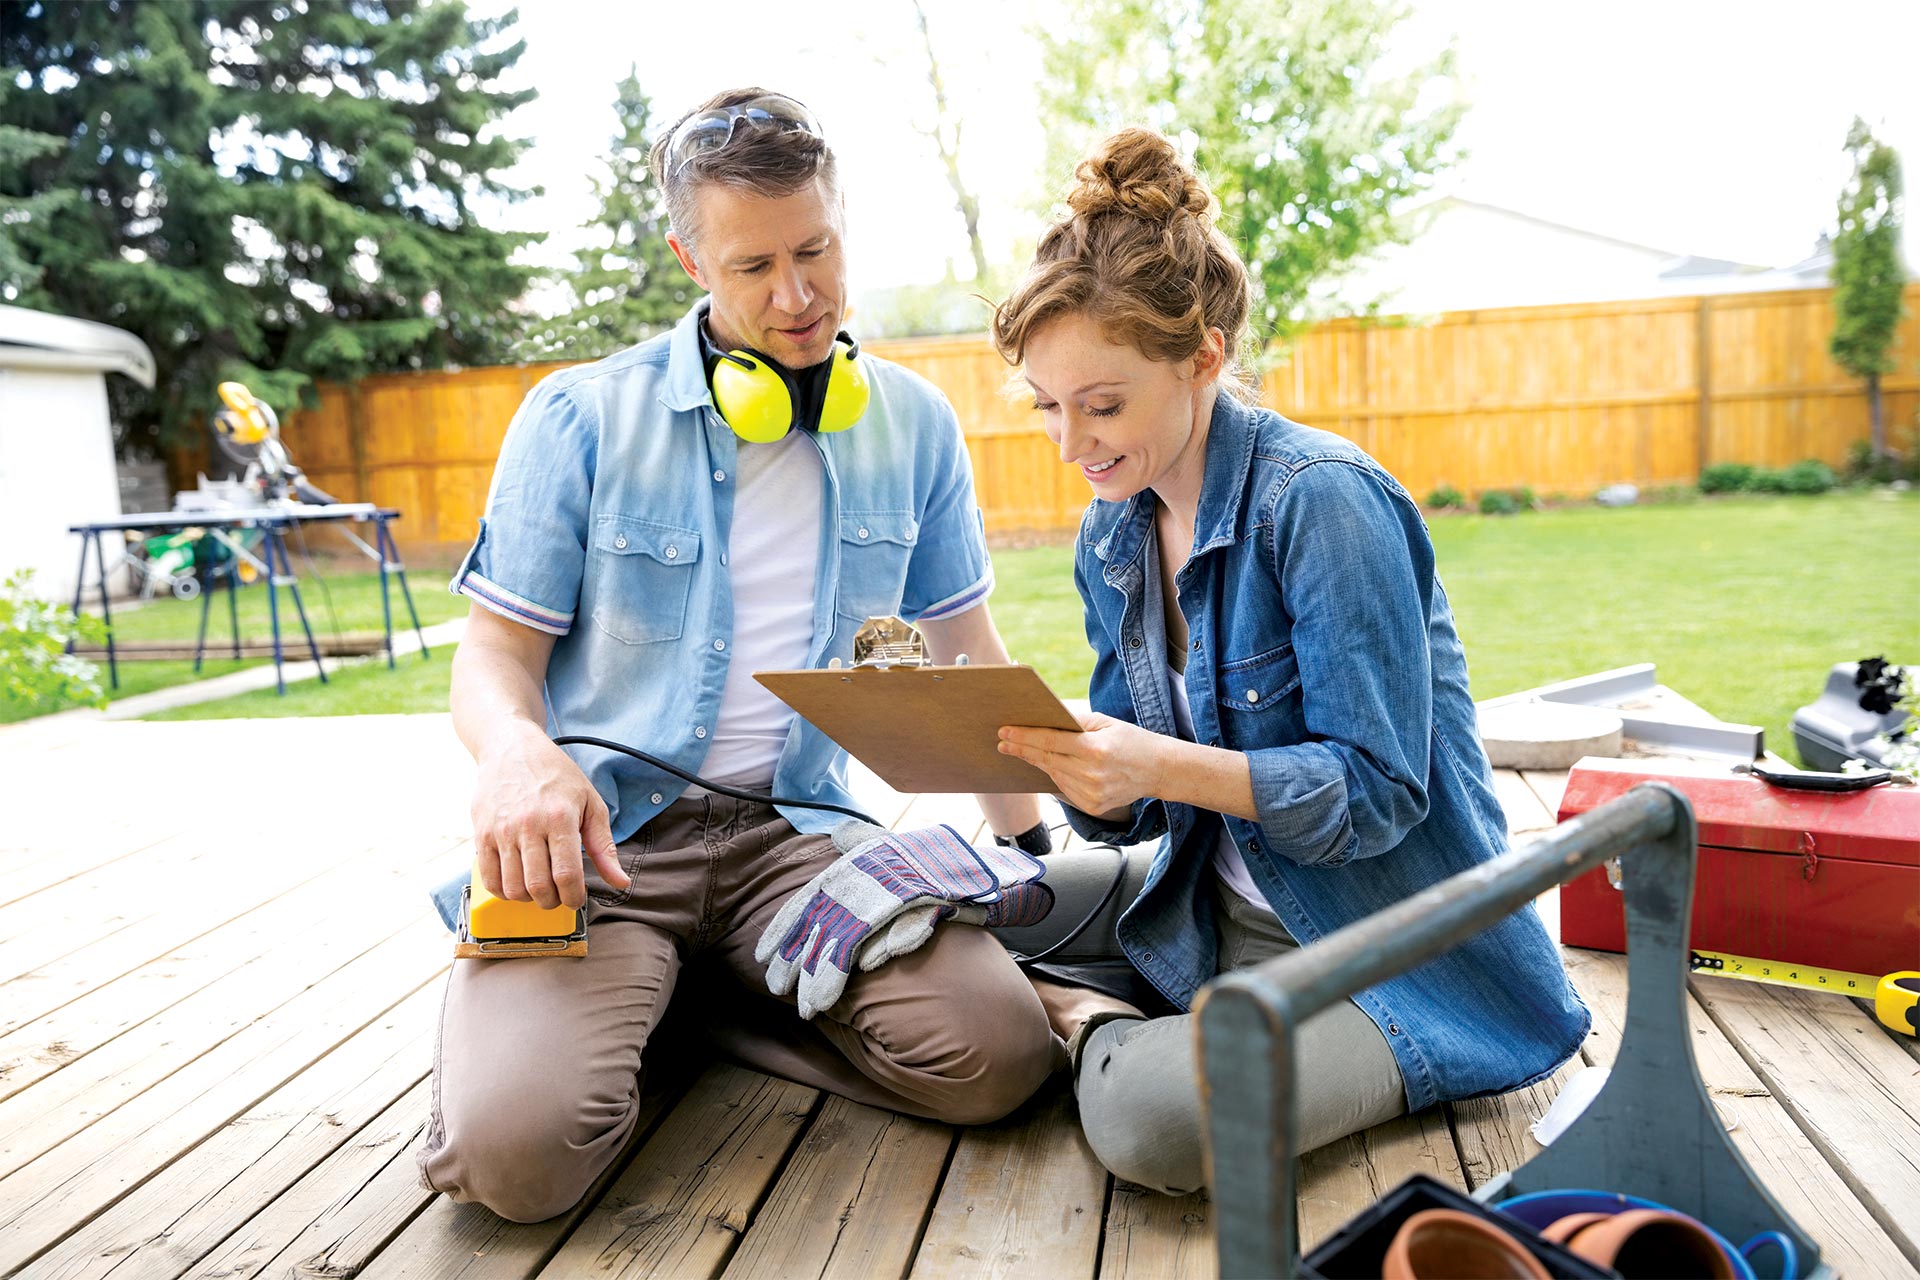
<point>1540,1209</point>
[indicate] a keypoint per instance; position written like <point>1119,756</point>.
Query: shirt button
<point>1133,642</point>
<point>719,477</point>
<point>656,797</point>
<point>1196,646</point>
<point>1253,695</point>
<point>1393,1028</point>
<point>673,553</point>
<point>723,558</point>
<point>620,542</point>
<point>719,645</point>
<point>1146,957</point>
<point>699,731</point>
<point>863,533</point>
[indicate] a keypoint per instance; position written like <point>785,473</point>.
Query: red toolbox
<point>1829,879</point>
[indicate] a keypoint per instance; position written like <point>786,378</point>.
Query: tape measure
<point>1896,997</point>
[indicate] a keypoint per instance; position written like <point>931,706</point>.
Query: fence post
<point>357,442</point>
<point>1703,380</point>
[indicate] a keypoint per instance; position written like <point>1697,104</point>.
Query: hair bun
<point>1137,171</point>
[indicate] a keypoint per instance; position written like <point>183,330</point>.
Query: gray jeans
<point>1138,1085</point>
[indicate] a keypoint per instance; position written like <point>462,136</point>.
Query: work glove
<point>882,898</point>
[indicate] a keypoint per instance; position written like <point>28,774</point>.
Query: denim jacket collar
<point>1223,489</point>
<point>685,386</point>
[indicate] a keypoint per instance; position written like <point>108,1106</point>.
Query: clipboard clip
<point>889,642</point>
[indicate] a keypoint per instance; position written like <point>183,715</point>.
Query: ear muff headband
<point>757,397</point>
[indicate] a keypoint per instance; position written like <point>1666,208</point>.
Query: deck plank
<point>1852,1090</point>
<point>450,1241</point>
<point>1149,1236</point>
<point>1494,1132</point>
<point>185,1210</point>
<point>1343,1177</point>
<point>1799,1177</point>
<point>52,1194</point>
<point>1524,811</point>
<point>1022,1198</point>
<point>342,1211</point>
<point>853,1200</point>
<point>681,1206</point>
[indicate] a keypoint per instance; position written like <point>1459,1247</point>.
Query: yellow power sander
<point>493,928</point>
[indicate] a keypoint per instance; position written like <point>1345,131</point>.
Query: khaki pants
<point>536,1079</point>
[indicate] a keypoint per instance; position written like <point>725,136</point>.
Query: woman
<point>1278,693</point>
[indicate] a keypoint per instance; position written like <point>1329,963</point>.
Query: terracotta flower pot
<point>1644,1243</point>
<point>1445,1244</point>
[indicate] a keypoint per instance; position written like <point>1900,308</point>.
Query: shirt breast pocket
<point>875,547</point>
<point>1260,698</point>
<point>642,575</point>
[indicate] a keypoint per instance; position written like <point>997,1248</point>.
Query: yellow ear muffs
<point>847,387</point>
<point>752,397</point>
<point>756,397</point>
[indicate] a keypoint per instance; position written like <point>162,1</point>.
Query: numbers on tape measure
<point>1765,971</point>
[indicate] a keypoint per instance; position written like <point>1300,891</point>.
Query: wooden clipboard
<point>926,728</point>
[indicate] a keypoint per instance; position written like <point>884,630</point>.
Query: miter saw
<point>246,432</point>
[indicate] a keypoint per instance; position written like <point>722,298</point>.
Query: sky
<point>1701,126</point>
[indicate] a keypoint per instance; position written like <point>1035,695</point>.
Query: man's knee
<point>525,1162</point>
<point>1139,1107</point>
<point>1009,1056</point>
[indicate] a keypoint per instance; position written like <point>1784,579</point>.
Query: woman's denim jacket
<point>1321,646</point>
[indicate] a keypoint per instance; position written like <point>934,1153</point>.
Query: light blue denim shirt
<point>607,526</point>
<point>1321,645</point>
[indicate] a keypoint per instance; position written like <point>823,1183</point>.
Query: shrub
<point>35,669</point>
<point>1446,497</point>
<point>1500,502</point>
<point>1728,477</point>
<point>1807,476</point>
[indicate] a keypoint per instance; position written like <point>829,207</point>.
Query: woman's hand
<point>1101,770</point>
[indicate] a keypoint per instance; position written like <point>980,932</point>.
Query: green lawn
<point>1742,602</point>
<point>336,602</point>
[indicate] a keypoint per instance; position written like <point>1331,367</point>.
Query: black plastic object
<point>1810,780</point>
<point>1356,1250</point>
<point>1835,728</point>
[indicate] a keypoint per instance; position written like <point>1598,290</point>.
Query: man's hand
<point>533,813</point>
<point>1100,771</point>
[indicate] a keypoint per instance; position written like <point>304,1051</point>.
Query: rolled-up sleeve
<point>528,558</point>
<point>949,572</point>
<point>1355,568</point>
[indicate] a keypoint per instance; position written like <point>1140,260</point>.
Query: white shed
<point>56,439</point>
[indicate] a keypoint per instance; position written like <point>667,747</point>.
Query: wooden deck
<point>219,979</point>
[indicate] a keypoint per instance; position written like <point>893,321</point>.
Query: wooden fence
<point>1565,399</point>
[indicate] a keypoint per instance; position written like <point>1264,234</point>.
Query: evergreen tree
<point>1308,146</point>
<point>1868,279</point>
<point>626,284</point>
<point>261,190</point>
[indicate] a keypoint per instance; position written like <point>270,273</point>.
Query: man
<point>637,562</point>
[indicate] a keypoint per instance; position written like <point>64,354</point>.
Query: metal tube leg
<point>388,549</point>
<point>233,606</point>
<point>293,589</point>
<point>386,595</point>
<point>200,641</point>
<point>106,611</point>
<point>79,584</point>
<point>273,612</point>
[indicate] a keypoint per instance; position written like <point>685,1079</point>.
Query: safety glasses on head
<point>707,131</point>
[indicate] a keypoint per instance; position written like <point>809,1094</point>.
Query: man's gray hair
<point>762,158</point>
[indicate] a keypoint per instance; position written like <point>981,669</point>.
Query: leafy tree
<point>627,285</point>
<point>1309,145</point>
<point>266,190</point>
<point>1868,279</point>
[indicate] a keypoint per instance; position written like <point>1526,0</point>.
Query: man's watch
<point>1036,840</point>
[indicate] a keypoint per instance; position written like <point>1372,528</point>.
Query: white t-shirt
<point>773,560</point>
<point>1227,862</point>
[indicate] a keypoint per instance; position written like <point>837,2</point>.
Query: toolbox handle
<point>1813,780</point>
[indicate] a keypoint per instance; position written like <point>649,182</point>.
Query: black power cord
<point>734,793</point>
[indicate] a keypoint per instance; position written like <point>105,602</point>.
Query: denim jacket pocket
<point>875,547</point>
<point>1261,683</point>
<point>642,575</point>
